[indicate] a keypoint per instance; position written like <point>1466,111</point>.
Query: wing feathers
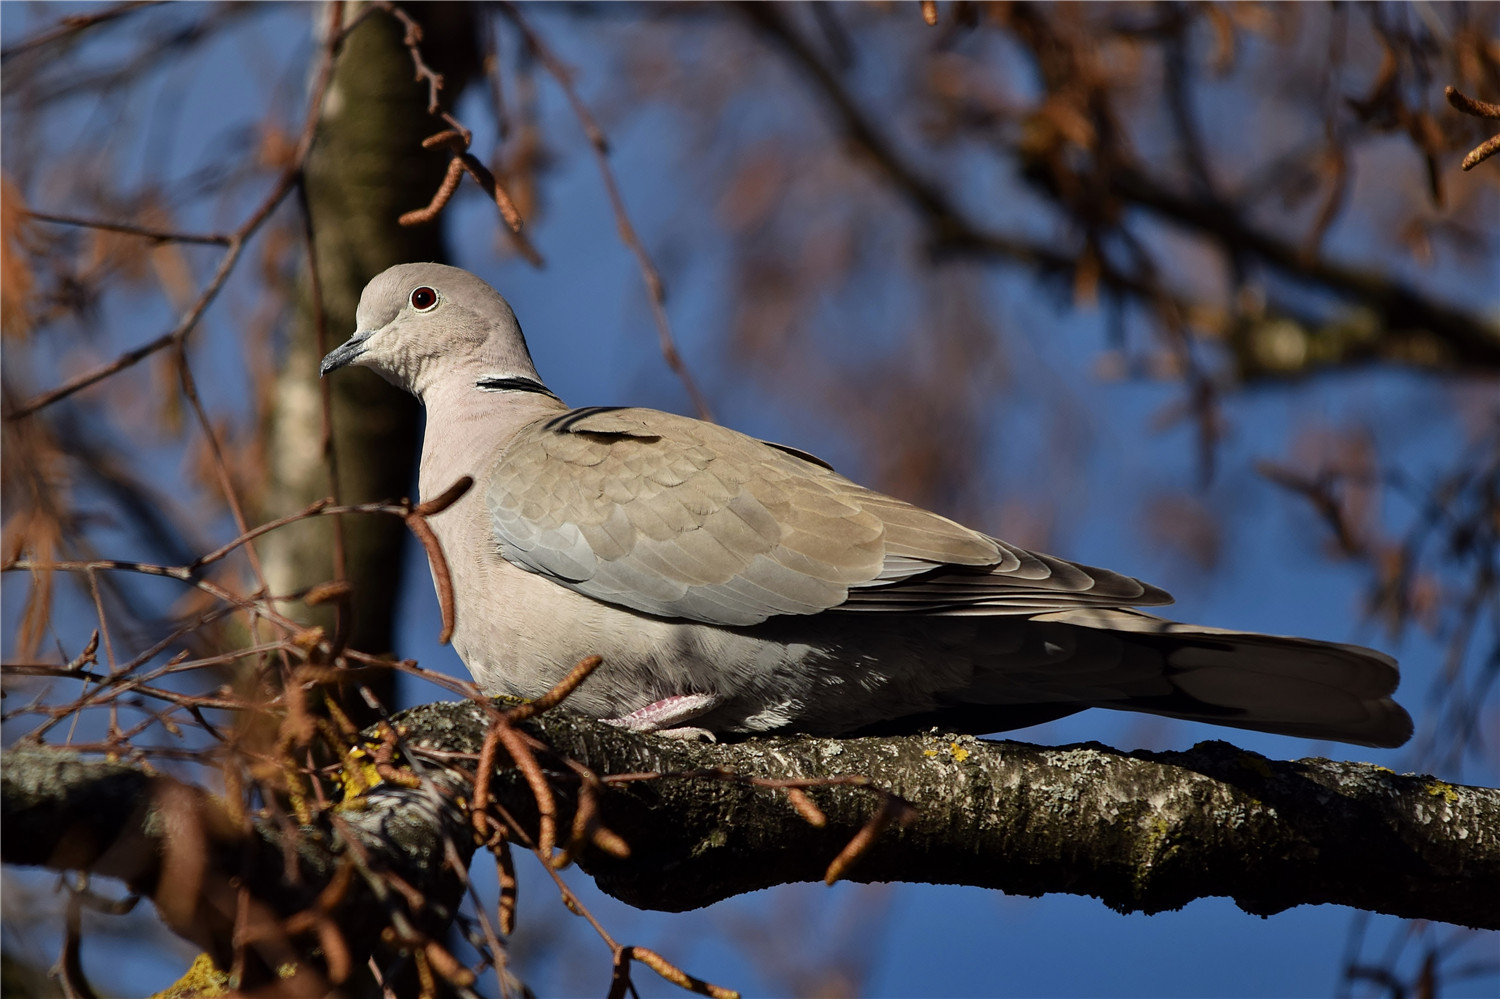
<point>678,518</point>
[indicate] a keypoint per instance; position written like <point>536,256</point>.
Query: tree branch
<point>181,847</point>
<point>1414,328</point>
<point>1460,338</point>
<point>1141,831</point>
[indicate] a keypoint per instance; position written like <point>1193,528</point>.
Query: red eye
<point>423,299</point>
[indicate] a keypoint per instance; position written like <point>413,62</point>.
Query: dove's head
<point>417,323</point>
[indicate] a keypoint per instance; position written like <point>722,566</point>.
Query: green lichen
<point>1447,792</point>
<point>1155,831</point>
<point>201,981</point>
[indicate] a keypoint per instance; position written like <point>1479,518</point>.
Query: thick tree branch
<point>205,872</point>
<point>1141,831</point>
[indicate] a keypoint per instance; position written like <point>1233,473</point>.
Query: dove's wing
<point>684,519</point>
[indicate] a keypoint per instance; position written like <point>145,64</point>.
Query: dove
<point>733,585</point>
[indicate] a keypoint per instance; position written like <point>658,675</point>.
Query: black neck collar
<point>511,383</point>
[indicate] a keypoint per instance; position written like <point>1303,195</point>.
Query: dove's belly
<point>829,672</point>
<point>544,629</point>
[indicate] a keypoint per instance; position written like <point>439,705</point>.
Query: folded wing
<point>683,519</point>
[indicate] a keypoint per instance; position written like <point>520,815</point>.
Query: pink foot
<point>665,716</point>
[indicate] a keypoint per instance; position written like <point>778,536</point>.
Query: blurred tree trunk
<point>367,167</point>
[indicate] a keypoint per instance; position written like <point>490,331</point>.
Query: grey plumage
<point>739,585</point>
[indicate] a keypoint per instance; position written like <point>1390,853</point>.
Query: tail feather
<point>1267,683</point>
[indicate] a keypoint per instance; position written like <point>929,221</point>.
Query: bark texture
<point>178,846</point>
<point>1141,831</point>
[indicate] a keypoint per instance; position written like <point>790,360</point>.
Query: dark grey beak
<point>346,354</point>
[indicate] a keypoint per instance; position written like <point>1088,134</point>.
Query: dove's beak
<point>348,353</point>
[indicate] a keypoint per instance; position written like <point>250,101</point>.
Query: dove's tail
<point>1267,683</point>
<point>1064,662</point>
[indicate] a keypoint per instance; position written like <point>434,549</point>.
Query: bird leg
<point>664,716</point>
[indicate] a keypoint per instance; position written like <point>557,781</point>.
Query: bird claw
<point>687,733</point>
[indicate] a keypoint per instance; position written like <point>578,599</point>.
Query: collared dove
<point>734,585</point>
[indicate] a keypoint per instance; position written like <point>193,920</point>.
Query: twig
<point>318,918</point>
<point>70,963</point>
<point>216,453</point>
<point>412,41</point>
<point>600,146</point>
<point>559,691</point>
<point>456,138</point>
<point>1471,338</point>
<point>75,23</point>
<point>620,980</point>
<point>233,248</point>
<point>145,232</point>
<point>1479,109</point>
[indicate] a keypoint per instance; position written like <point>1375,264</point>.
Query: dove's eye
<point>423,299</point>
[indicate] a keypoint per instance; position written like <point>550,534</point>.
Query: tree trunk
<point>366,168</point>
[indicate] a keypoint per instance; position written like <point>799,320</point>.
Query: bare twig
<point>559,691</point>
<point>70,963</point>
<point>235,245</point>
<point>456,139</point>
<point>1471,338</point>
<point>145,232</point>
<point>74,24</point>
<point>325,418</point>
<point>600,147</point>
